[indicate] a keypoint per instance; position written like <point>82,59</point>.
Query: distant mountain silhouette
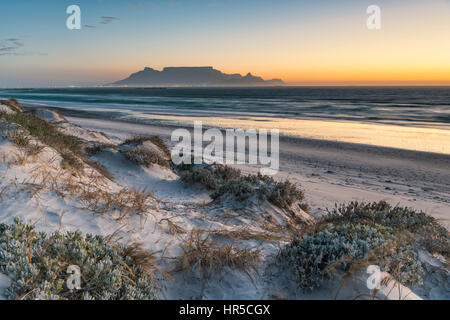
<point>191,76</point>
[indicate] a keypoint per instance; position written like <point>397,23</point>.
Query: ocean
<point>418,117</point>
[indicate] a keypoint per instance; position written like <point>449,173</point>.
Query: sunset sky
<point>300,41</point>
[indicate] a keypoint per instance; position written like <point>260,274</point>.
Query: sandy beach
<point>336,172</point>
<point>99,177</point>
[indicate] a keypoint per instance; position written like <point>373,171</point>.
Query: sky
<point>300,41</point>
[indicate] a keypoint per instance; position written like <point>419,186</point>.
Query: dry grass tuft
<point>246,234</point>
<point>33,150</point>
<point>173,228</point>
<point>91,191</point>
<point>207,256</point>
<point>71,162</point>
<point>19,138</point>
<point>27,148</point>
<point>100,168</point>
<point>19,158</point>
<point>157,141</point>
<point>72,149</point>
<point>13,104</point>
<point>97,148</point>
<point>47,133</point>
<point>126,201</point>
<point>144,258</point>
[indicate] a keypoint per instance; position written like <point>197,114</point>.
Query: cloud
<point>10,46</point>
<point>107,20</point>
<point>13,46</point>
<point>103,20</point>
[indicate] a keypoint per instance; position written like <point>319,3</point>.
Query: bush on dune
<point>140,152</point>
<point>145,157</point>
<point>37,264</point>
<point>282,194</point>
<point>229,182</point>
<point>357,234</point>
<point>312,254</point>
<point>316,256</point>
<point>427,229</point>
<point>96,148</point>
<point>157,141</point>
<point>210,176</point>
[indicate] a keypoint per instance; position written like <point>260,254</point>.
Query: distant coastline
<point>192,76</point>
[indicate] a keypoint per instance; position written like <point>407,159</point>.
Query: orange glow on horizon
<point>412,47</point>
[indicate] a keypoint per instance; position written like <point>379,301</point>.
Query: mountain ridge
<point>190,76</point>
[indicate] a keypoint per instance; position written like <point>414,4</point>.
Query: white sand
<point>329,172</point>
<point>333,172</point>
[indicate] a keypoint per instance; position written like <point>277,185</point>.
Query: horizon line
<point>286,85</point>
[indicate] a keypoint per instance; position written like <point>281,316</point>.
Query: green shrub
<point>425,228</point>
<point>282,194</point>
<point>210,176</point>
<point>380,213</point>
<point>37,264</point>
<point>375,232</point>
<point>316,255</point>
<point>157,141</point>
<point>145,157</point>
<point>97,148</point>
<point>239,189</point>
<point>402,262</point>
<point>311,255</point>
<point>225,180</point>
<point>135,151</point>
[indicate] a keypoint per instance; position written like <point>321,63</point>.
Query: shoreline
<point>377,149</point>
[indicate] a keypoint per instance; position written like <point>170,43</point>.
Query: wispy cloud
<point>14,47</point>
<point>107,20</point>
<point>103,21</point>
<point>10,46</point>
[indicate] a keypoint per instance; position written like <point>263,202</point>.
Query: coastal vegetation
<point>249,225</point>
<point>37,265</point>
<point>356,235</point>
